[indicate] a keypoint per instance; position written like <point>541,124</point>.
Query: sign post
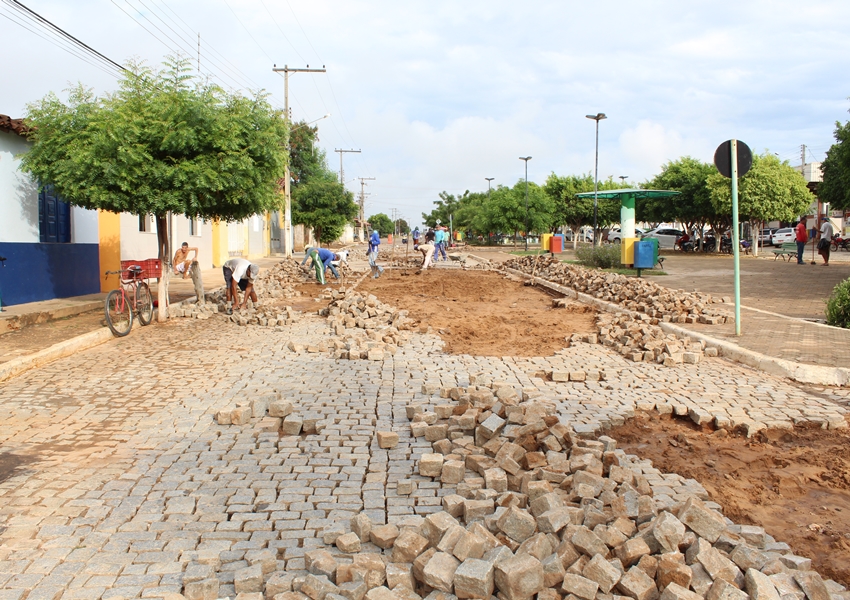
<point>733,158</point>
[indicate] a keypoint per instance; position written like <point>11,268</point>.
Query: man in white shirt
<point>826,232</point>
<point>239,274</point>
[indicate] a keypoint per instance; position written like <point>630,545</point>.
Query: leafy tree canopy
<point>163,142</point>
<point>693,206</point>
<point>835,187</point>
<point>382,223</point>
<point>325,206</point>
<point>506,210</point>
<point>771,190</point>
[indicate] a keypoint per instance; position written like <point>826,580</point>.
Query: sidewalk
<point>29,328</point>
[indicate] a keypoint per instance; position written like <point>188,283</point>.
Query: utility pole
<point>803,160</point>
<point>363,181</point>
<point>287,184</point>
<point>341,152</point>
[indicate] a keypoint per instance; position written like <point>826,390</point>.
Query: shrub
<point>838,305</point>
<point>605,256</point>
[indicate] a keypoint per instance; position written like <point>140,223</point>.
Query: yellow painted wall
<point>219,243</point>
<point>109,228</point>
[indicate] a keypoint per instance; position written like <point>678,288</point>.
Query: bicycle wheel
<point>119,317</point>
<point>144,303</point>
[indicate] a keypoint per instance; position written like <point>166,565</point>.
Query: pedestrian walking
<point>826,231</point>
<point>427,251</point>
<point>374,242</point>
<point>802,236</point>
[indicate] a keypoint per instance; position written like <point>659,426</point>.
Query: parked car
<point>786,234</point>
<point>766,236</point>
<point>585,235</point>
<point>615,235</point>
<point>666,236</point>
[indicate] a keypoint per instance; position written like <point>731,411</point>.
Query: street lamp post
<point>489,179</point>
<point>623,179</point>
<point>597,117</point>
<point>526,159</point>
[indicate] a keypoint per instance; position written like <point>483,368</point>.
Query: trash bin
<point>545,243</point>
<point>644,255</point>
<point>556,244</point>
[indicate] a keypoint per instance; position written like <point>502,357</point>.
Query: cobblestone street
<point>115,478</point>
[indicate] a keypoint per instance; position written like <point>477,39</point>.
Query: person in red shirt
<point>802,236</point>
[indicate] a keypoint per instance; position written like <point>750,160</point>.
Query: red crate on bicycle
<point>151,268</point>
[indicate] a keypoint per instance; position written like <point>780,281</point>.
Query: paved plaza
<point>115,480</point>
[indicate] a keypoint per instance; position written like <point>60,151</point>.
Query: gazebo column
<point>627,229</point>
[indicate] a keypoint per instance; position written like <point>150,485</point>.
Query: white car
<point>786,234</point>
<point>615,236</point>
<point>666,236</point>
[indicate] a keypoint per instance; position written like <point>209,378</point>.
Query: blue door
<point>54,218</point>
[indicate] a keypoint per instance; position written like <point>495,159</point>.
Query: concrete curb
<point>10,323</point>
<point>814,374</point>
<point>16,366</point>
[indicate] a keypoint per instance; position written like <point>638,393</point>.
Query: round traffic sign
<point>723,158</point>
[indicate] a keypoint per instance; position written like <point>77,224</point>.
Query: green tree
<point>771,190</point>
<point>163,143</point>
<point>325,206</point>
<point>307,163</point>
<point>402,226</point>
<point>693,207</point>
<point>575,212</point>
<point>835,187</point>
<point>382,223</point>
<point>445,206</point>
<point>506,210</point>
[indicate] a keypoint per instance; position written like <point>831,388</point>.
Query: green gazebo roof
<point>629,194</point>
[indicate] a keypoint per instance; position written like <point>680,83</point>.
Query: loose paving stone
<point>139,487</point>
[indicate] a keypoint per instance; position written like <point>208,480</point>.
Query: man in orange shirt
<point>802,236</point>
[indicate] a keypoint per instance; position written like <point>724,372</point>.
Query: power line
<point>34,15</point>
<point>70,50</point>
<point>248,31</point>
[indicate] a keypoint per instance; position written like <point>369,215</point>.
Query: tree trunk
<point>165,258</point>
<point>198,282</point>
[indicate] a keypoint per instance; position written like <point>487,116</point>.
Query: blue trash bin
<point>644,255</point>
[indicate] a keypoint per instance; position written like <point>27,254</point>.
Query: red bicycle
<point>133,296</point>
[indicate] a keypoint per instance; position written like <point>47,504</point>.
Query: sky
<point>439,95</point>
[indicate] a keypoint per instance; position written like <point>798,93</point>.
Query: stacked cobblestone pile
<point>365,327</point>
<point>540,512</point>
<point>638,339</point>
<point>640,295</point>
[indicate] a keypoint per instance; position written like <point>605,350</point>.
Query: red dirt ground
<point>795,484</point>
<point>482,312</point>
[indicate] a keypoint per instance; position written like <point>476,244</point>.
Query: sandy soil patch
<point>482,313</point>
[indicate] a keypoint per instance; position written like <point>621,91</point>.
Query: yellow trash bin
<point>544,242</point>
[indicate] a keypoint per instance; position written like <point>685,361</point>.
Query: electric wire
<point>191,49</point>
<point>222,60</point>
<point>73,52</point>
<point>248,31</point>
<point>282,32</point>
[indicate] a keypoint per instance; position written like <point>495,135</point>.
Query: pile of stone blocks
<point>273,414</point>
<point>638,339</point>
<point>636,294</point>
<point>264,315</point>
<point>192,310</point>
<point>363,326</point>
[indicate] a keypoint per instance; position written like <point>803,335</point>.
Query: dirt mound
<point>482,313</point>
<point>795,484</point>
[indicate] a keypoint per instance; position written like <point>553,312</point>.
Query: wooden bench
<point>787,251</point>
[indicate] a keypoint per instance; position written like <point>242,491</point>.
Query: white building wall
<point>140,245</point>
<point>84,226</point>
<point>18,193</point>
